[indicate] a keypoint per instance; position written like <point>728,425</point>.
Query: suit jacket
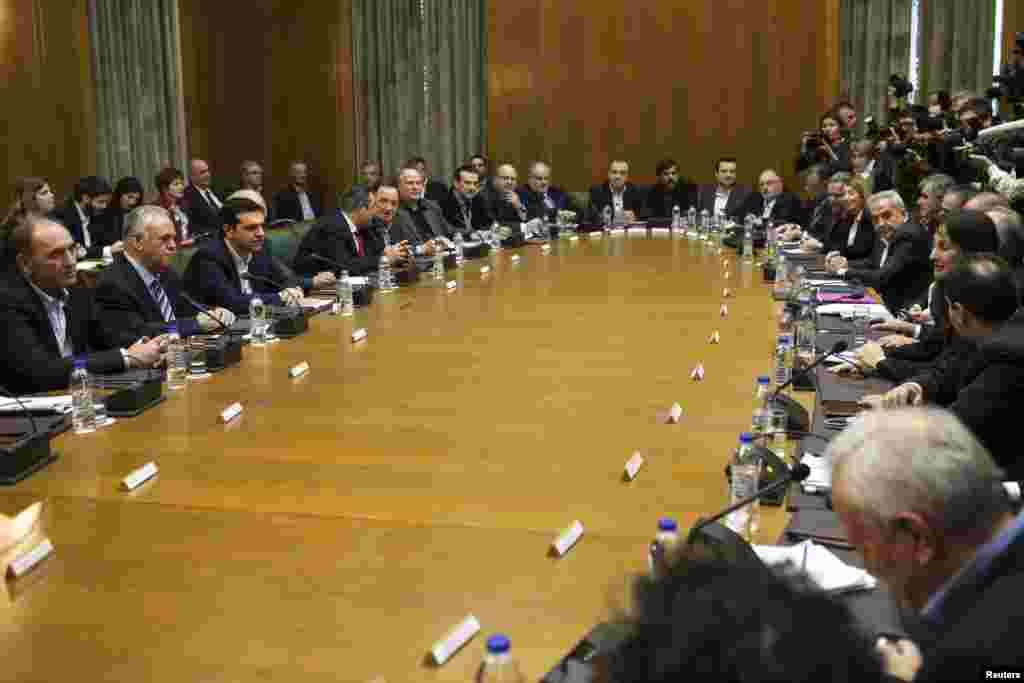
<point>786,209</point>
<point>660,201</point>
<point>67,215</point>
<point>981,621</point>
<point>985,392</point>
<point>534,202</point>
<point>907,271</point>
<point>863,244</point>
<point>738,196</point>
<point>126,309</point>
<point>480,214</point>
<point>435,191</point>
<point>286,204</point>
<point>808,158</point>
<point>601,196</point>
<point>405,226</point>
<point>31,361</point>
<point>332,238</point>
<point>203,217</point>
<point>212,278</point>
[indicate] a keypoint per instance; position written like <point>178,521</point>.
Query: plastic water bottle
<point>745,471</point>
<point>83,410</point>
<point>805,331</point>
<point>177,363</point>
<point>498,665</point>
<point>761,422</point>
<point>705,223</point>
<point>606,217</point>
<point>677,217</point>
<point>782,287</point>
<point>385,282</point>
<point>663,547</point>
<point>460,250</point>
<point>748,244</point>
<point>495,238</point>
<point>258,318</point>
<point>783,358</point>
<point>438,270</point>
<point>691,221</point>
<point>343,295</point>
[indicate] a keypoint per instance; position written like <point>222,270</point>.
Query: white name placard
<point>359,335</point>
<point>633,465</point>
<point>299,370</point>
<point>674,413</point>
<point>545,248</point>
<point>574,238</point>
<point>567,539</point>
<point>456,638</point>
<point>451,284</point>
<point>485,270</point>
<point>231,412</point>
<point>1012,489</point>
<point>137,477</point>
<point>515,258</point>
<point>23,563</point>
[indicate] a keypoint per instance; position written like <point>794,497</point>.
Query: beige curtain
<point>138,95</point>
<point>421,81</point>
<point>874,43</point>
<point>956,42</point>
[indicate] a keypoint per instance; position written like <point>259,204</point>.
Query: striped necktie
<point>160,296</point>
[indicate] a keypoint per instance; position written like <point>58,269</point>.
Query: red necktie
<point>359,242</point>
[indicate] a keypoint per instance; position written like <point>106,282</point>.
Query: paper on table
<point>846,310</point>
<point>53,404</point>
<point>799,252</point>
<point>822,283</point>
<point>89,265</point>
<point>819,564</point>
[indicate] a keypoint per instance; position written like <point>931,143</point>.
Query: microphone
<point>260,278</point>
<point>24,409</point>
<point>324,259</point>
<point>25,454</point>
<point>797,416</point>
<point>205,309</point>
<point>797,474</point>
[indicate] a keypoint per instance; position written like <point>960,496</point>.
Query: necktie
<point>359,241</point>
<point>885,255</point>
<point>211,200</point>
<point>160,296</point>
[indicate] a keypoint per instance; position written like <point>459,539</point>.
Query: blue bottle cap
<point>746,437</point>
<point>78,362</point>
<point>171,328</point>
<point>764,379</point>
<point>667,524</point>
<point>498,644</point>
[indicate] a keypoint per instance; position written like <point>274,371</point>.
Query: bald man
<point>48,322</point>
<point>617,192</point>
<point>772,202</point>
<point>297,202</point>
<point>201,203</point>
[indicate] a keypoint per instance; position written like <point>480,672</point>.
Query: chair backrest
<point>580,201</point>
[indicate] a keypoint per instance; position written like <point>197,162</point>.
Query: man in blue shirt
<point>923,501</point>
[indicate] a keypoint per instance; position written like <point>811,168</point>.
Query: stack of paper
<point>846,310</point>
<point>819,564</point>
<point>60,405</point>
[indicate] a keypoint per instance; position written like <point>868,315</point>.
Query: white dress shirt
<point>721,201</point>
<point>242,265</point>
<point>307,208</point>
<point>853,230</point>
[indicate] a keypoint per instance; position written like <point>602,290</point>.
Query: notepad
<point>819,564</point>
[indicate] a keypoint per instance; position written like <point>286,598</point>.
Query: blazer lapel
<point>42,319</point>
<point>145,297</point>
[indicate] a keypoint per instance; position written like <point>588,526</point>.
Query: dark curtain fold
<point>874,43</point>
<point>421,80</point>
<point>957,39</point>
<point>135,65</point>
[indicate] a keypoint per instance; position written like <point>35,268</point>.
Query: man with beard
<point>670,191</point>
<point>464,208</point>
<point>618,193</point>
<point>90,199</point>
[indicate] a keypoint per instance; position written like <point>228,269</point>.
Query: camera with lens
<point>901,87</point>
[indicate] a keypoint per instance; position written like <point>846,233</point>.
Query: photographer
<point>824,146</point>
<point>876,169</point>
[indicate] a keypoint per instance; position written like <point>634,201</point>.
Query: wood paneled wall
<point>582,82</point>
<point>271,82</point>
<point>48,124</point>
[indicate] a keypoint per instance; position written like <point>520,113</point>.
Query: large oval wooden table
<point>352,516</point>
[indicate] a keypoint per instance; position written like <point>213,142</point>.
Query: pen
<point>803,568</point>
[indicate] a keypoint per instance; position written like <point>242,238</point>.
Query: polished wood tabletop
<point>350,517</point>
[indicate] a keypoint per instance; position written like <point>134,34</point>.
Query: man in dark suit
<point>542,199</point>
<point>507,209</point>
<point>922,501</point>
<point>464,208</point>
<point>216,274</point>
<point>79,215</point>
<point>297,202</point>
<point>670,191</point>
<point>900,266</point>
<point>419,222</point>
<point>47,321</point>
<point>772,204</point>
<point>349,239</point>
<point>725,197</point>
<point>201,203</point>
<point>622,196</point>
<point>140,293</point>
<point>434,190</point>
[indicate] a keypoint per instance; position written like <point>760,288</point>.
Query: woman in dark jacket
<point>127,195</point>
<point>826,147</point>
<point>915,346</point>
